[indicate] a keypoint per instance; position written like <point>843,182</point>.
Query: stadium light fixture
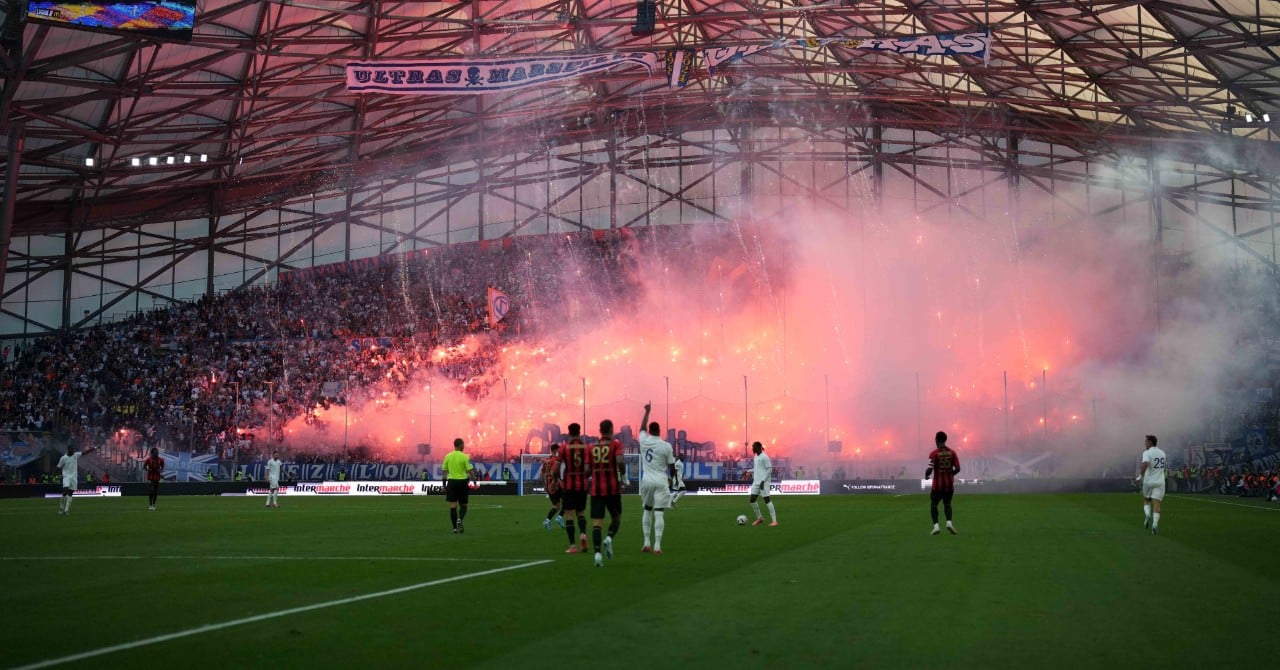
<point>169,160</point>
<point>153,161</point>
<point>135,162</point>
<point>204,158</point>
<point>1266,117</point>
<point>88,162</point>
<point>186,158</point>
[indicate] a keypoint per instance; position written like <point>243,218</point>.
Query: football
<point>742,519</point>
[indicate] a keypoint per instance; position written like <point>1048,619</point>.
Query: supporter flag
<point>499,305</point>
<point>679,65</point>
<point>187,467</point>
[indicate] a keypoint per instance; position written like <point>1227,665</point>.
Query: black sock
<point>614,524</point>
<point>933,511</point>
<point>462,512</point>
<point>568,529</point>
<point>595,537</point>
<point>552,514</point>
<point>453,516</point>
<point>582,526</point>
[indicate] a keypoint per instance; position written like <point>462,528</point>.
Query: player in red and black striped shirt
<point>577,468</point>
<point>606,487</point>
<point>154,465</point>
<point>944,465</point>
<point>551,482</point>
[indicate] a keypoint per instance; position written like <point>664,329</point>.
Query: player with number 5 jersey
<point>577,469</point>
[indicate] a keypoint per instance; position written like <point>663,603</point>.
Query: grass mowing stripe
<point>1223,502</point>
<point>270,615</point>
<point>265,558</point>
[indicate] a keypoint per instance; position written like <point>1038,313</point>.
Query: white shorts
<point>69,483</point>
<point>1153,491</point>
<point>655,495</point>
<point>760,489</point>
<point>273,484</point>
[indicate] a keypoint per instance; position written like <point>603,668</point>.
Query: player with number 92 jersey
<point>605,457</point>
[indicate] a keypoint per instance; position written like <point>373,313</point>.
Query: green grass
<point>1068,581</point>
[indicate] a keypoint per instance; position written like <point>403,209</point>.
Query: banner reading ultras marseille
<point>484,75</point>
<point>954,44</point>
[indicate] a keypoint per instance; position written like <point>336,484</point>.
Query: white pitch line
<point>261,558</point>
<point>1223,502</point>
<point>209,628</point>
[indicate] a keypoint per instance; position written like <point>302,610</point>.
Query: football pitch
<point>1070,581</point>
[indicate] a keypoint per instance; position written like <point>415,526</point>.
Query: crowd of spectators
<point>225,373</point>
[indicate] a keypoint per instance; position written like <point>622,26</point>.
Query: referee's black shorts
<point>455,490</point>
<point>611,503</point>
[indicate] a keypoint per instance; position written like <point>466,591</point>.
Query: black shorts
<point>941,496</point>
<point>455,490</point>
<point>574,501</point>
<point>611,503</point>
<point>555,497</point>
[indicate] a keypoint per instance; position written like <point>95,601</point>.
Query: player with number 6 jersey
<point>657,463</point>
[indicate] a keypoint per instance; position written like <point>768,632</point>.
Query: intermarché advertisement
<point>344,488</point>
<point>808,487</point>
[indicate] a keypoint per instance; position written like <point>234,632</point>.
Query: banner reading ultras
<point>483,75</point>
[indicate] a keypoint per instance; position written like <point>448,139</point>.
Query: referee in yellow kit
<point>457,475</point>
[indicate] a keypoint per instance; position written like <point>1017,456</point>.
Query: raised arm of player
<point>644,423</point>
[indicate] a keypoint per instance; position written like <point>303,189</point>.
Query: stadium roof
<point>260,88</point>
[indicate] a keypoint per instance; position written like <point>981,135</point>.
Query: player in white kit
<point>1151,477</point>
<point>761,475</point>
<point>273,480</point>
<point>70,467</point>
<point>657,464</point>
<point>677,482</point>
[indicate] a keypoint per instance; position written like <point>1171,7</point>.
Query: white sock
<point>68,503</point>
<point>62,504</point>
<point>773,513</point>
<point>1156,520</point>
<point>659,525</point>
<point>1146,511</point>
<point>646,522</point>
<point>755,507</point>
